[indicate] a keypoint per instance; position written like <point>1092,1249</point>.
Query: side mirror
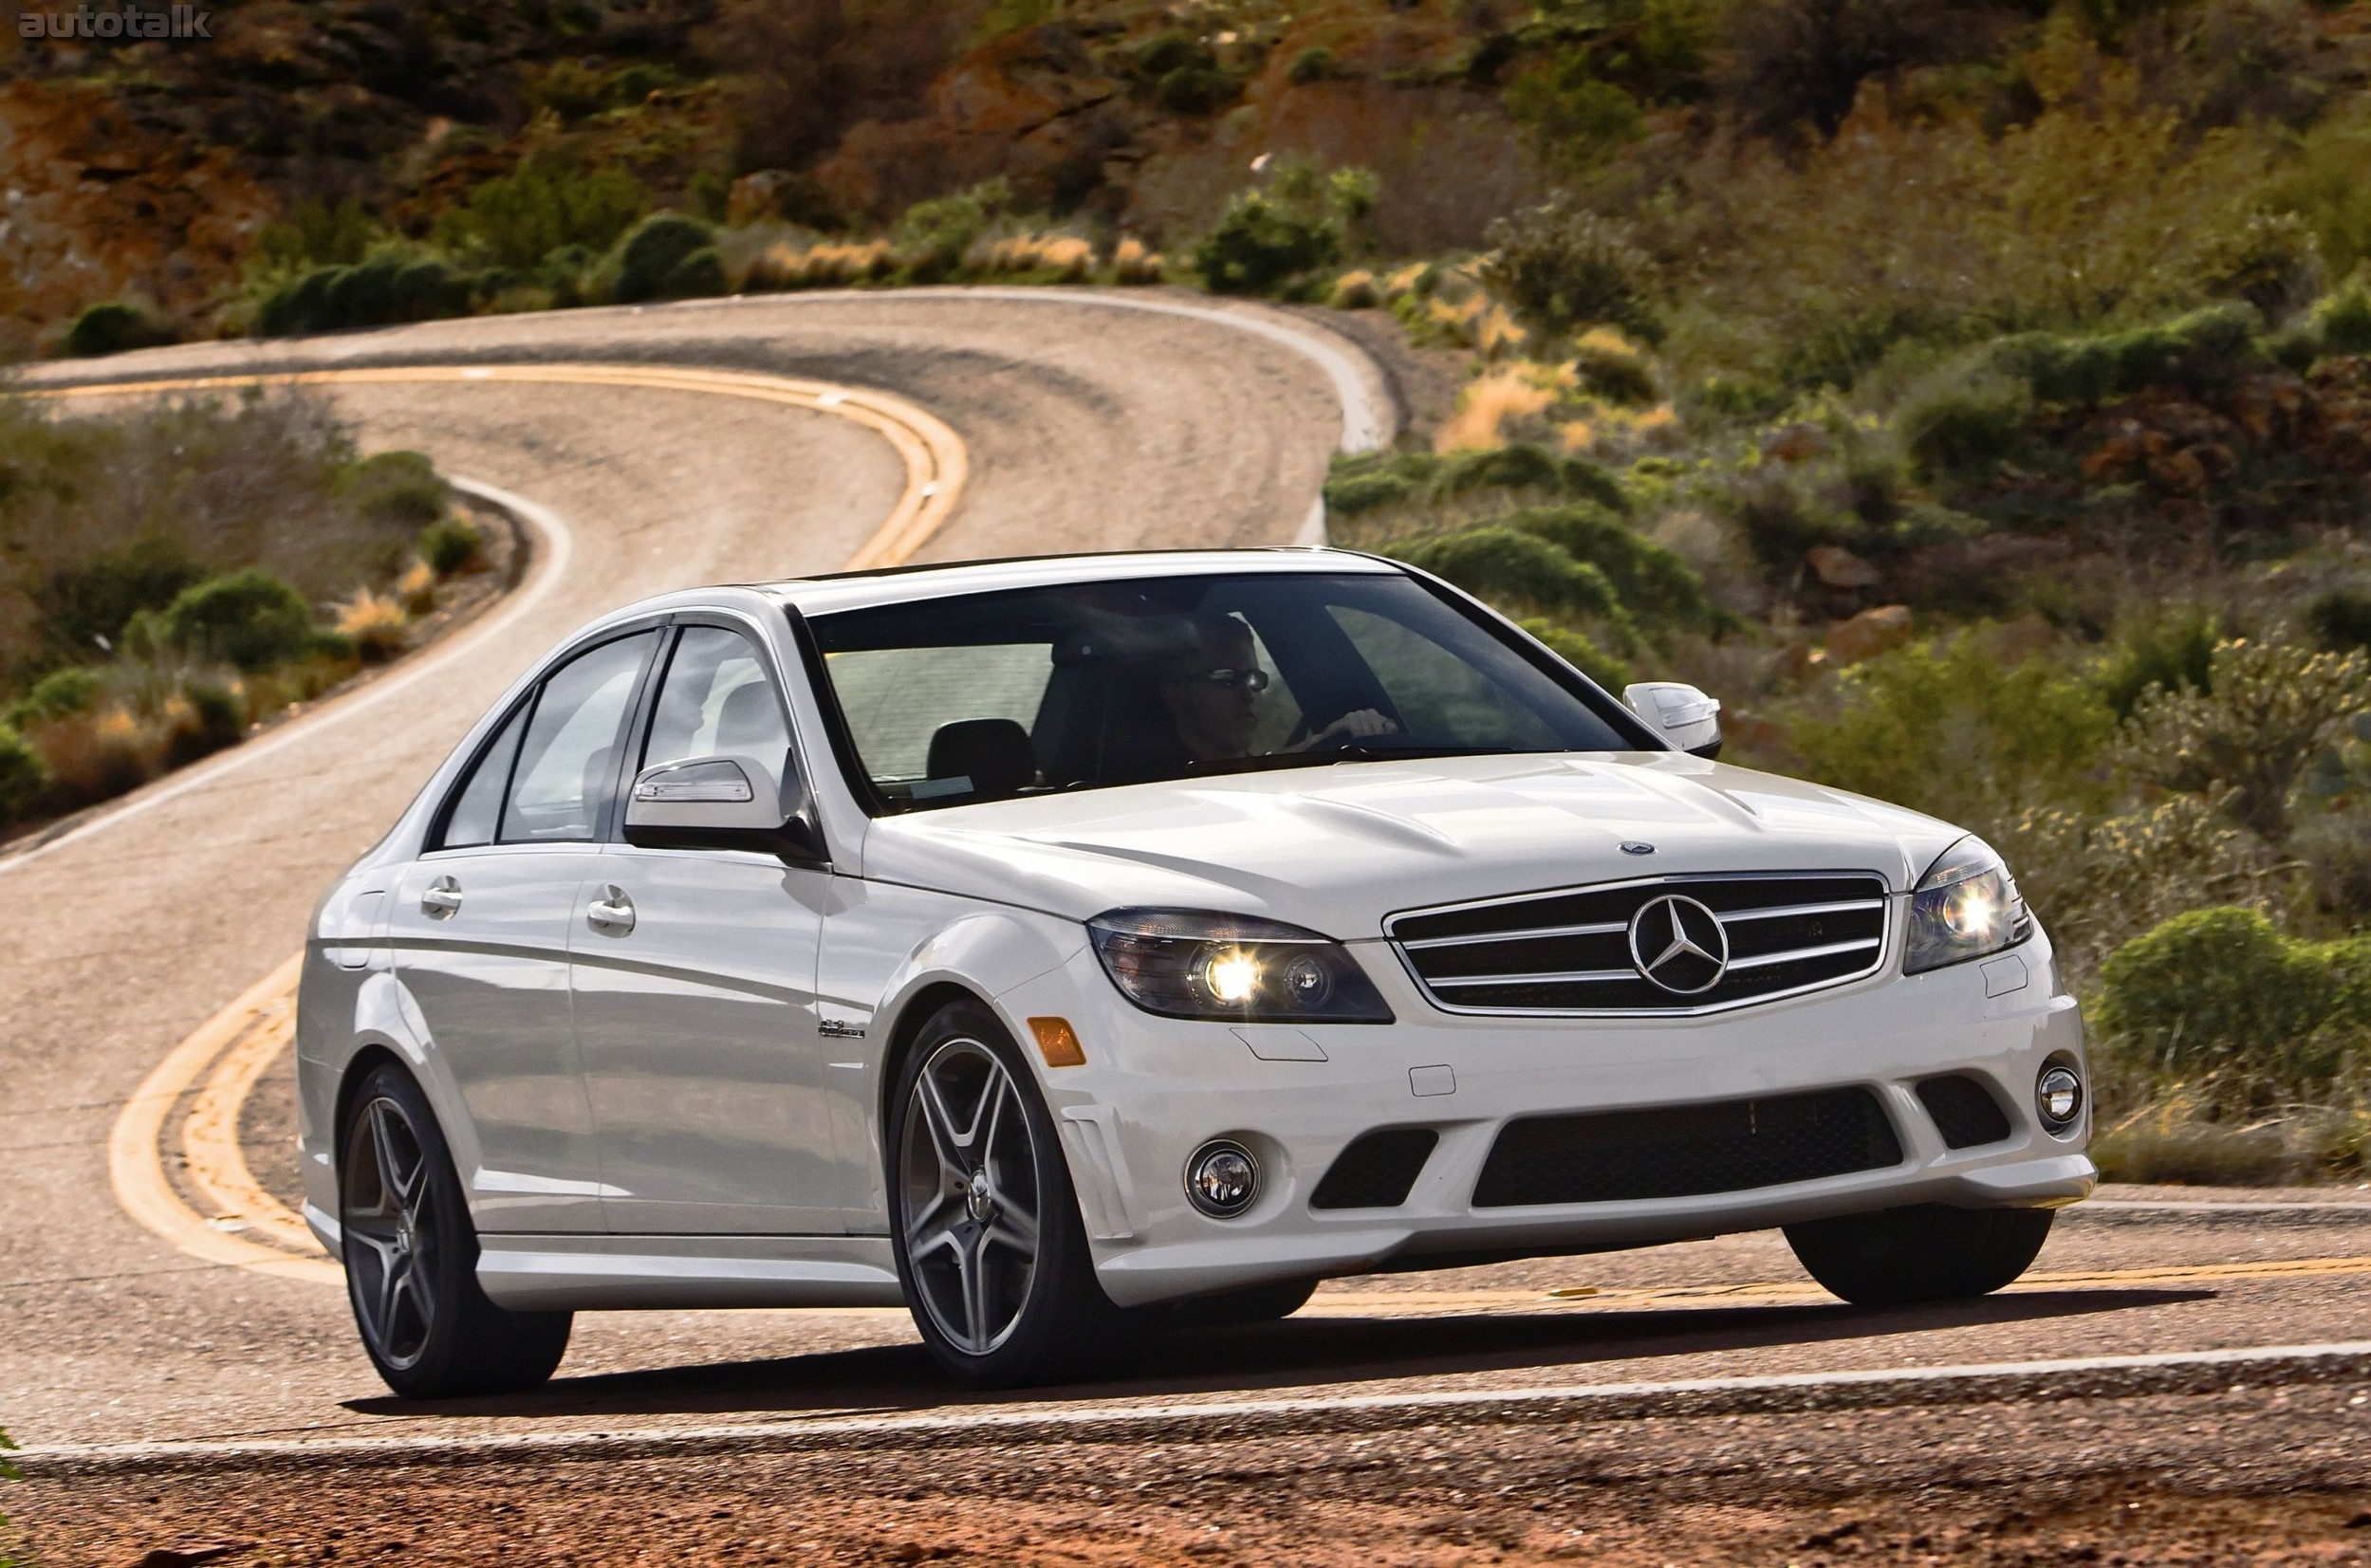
<point>1678,713</point>
<point>722,802</point>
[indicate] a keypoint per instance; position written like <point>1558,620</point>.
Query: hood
<point>1338,849</point>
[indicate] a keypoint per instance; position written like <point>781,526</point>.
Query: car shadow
<point>1297,1353</point>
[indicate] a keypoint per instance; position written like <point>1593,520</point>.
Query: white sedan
<point>1058,945</point>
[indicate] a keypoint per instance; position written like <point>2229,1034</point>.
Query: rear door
<point>693,973</point>
<point>480,928</point>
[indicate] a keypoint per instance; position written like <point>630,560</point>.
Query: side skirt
<point>597,1273</point>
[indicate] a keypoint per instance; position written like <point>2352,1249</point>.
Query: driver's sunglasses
<point>1227,680</point>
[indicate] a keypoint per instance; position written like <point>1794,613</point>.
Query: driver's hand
<point>1352,727</point>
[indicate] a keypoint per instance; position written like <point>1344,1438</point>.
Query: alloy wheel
<point>393,1251</point>
<point>970,1190</point>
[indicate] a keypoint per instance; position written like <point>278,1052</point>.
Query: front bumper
<point>1155,1089</point>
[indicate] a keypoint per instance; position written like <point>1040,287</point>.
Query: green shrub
<point>1573,116</point>
<point>2339,618</point>
<point>648,266</point>
<point>1262,243</point>
<point>1311,65</point>
<point>698,276</point>
<point>82,606</point>
<point>315,234</point>
<point>399,487</point>
<point>2343,320</point>
<point>1560,267</point>
<point>250,619</point>
<point>23,777</point>
<point>1517,465</point>
<point>1948,727</point>
<point>386,288</point>
<point>58,694</point>
<point>449,545</point>
<point>2198,352</point>
<point>220,721</point>
<point>114,326</point>
<point>1577,650</point>
<point>1585,480</point>
<point>1354,494</point>
<point>2173,651</point>
<point>2221,991</point>
<point>1965,421</point>
<point>1511,568</point>
<point>1654,585</point>
<point>932,236</point>
<point>1194,89</point>
<point>518,219</point>
<point>1171,50</point>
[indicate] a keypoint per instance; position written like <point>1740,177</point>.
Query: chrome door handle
<point>612,912</point>
<point>442,898</point>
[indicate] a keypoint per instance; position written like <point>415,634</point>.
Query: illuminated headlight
<point>1964,907</point>
<point>1190,964</point>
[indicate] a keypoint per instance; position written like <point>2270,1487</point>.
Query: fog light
<point>2058,1094</point>
<point>1222,1178</point>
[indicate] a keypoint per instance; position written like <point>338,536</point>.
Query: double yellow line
<point>246,1226</point>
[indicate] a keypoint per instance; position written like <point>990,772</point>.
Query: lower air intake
<point>1682,1151</point>
<point>1964,1111</point>
<point>1376,1170</point>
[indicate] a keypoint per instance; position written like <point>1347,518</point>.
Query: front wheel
<point>411,1259</point>
<point>1926,1252</point>
<point>990,1247</point>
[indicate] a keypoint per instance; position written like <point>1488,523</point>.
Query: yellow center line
<point>248,1227</point>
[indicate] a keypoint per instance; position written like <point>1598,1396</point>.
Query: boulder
<point>1869,633</point>
<point>1839,568</point>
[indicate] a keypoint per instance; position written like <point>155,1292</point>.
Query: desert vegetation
<point>175,575</point>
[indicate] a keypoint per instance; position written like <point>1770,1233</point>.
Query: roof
<point>825,595</point>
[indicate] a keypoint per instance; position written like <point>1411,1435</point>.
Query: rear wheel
<point>411,1259</point>
<point>1927,1252</point>
<point>990,1247</point>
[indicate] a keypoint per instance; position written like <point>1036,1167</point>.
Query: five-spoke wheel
<point>989,1247</point>
<point>411,1257</point>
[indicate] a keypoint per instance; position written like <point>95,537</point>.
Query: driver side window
<point>717,701</point>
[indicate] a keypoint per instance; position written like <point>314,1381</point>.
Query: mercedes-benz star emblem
<point>1679,945</point>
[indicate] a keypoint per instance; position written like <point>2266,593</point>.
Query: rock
<point>186,1557</point>
<point>1797,662</point>
<point>1796,444</point>
<point>1839,568</point>
<point>1869,634</point>
<point>757,196</point>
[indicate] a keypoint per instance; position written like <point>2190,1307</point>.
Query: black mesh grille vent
<point>1964,1111</point>
<point>1376,1169</point>
<point>1679,1151</point>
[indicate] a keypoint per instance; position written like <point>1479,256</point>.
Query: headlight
<point>1964,907</point>
<point>1189,964</point>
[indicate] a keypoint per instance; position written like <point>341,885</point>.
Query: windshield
<point>986,697</point>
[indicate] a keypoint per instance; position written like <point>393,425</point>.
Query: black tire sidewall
<point>1065,1318</point>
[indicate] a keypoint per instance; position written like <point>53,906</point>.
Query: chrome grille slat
<point>1800,932</point>
<point>1529,933</point>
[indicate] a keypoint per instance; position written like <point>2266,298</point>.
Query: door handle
<point>613,912</point>
<point>442,898</point>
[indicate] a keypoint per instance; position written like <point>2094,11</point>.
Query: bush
<point>251,620</point>
<point>1561,267</point>
<point>516,220</point>
<point>451,544</point>
<point>23,774</point>
<point>58,694</point>
<point>114,326</point>
<point>386,289</point>
<point>399,487</point>
<point>207,717</point>
<point>2171,651</point>
<point>1574,117</point>
<point>932,236</point>
<point>2199,351</point>
<point>1261,243</point>
<point>1311,65</point>
<point>374,624</point>
<point>1965,421</point>
<point>1509,566</point>
<point>698,276</point>
<point>2222,993</point>
<point>2341,619</point>
<point>658,257</point>
<point>1654,585</point>
<point>1351,495</point>
<point>2343,322</point>
<point>1194,89</point>
<point>1517,465</point>
<point>81,607</point>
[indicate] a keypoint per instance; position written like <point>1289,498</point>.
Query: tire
<point>410,1257</point>
<point>1927,1252</point>
<point>991,1250</point>
<point>1266,1303</point>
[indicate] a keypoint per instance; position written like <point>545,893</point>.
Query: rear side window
<point>477,810</point>
<point>569,750</point>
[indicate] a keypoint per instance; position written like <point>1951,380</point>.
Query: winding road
<point>149,1321</point>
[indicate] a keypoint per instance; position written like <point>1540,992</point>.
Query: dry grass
<point>1133,262</point>
<point>1065,258</point>
<point>828,265</point>
<point>375,624</point>
<point>416,590</point>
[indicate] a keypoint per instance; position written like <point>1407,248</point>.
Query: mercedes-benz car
<point>1066,946</point>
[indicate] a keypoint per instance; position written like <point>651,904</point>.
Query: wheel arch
<point>916,1009</point>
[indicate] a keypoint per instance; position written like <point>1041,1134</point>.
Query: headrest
<point>994,753</point>
<point>749,722</point>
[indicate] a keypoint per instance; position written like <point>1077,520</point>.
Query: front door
<point>693,976</point>
<point>480,937</point>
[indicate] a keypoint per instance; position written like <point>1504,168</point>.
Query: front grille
<point>1681,1150</point>
<point>1376,1170</point>
<point>1572,951</point>
<point>1964,1111</point>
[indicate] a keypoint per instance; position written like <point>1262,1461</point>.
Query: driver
<point>1212,695</point>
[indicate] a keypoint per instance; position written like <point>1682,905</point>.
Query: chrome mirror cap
<point>1680,712</point>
